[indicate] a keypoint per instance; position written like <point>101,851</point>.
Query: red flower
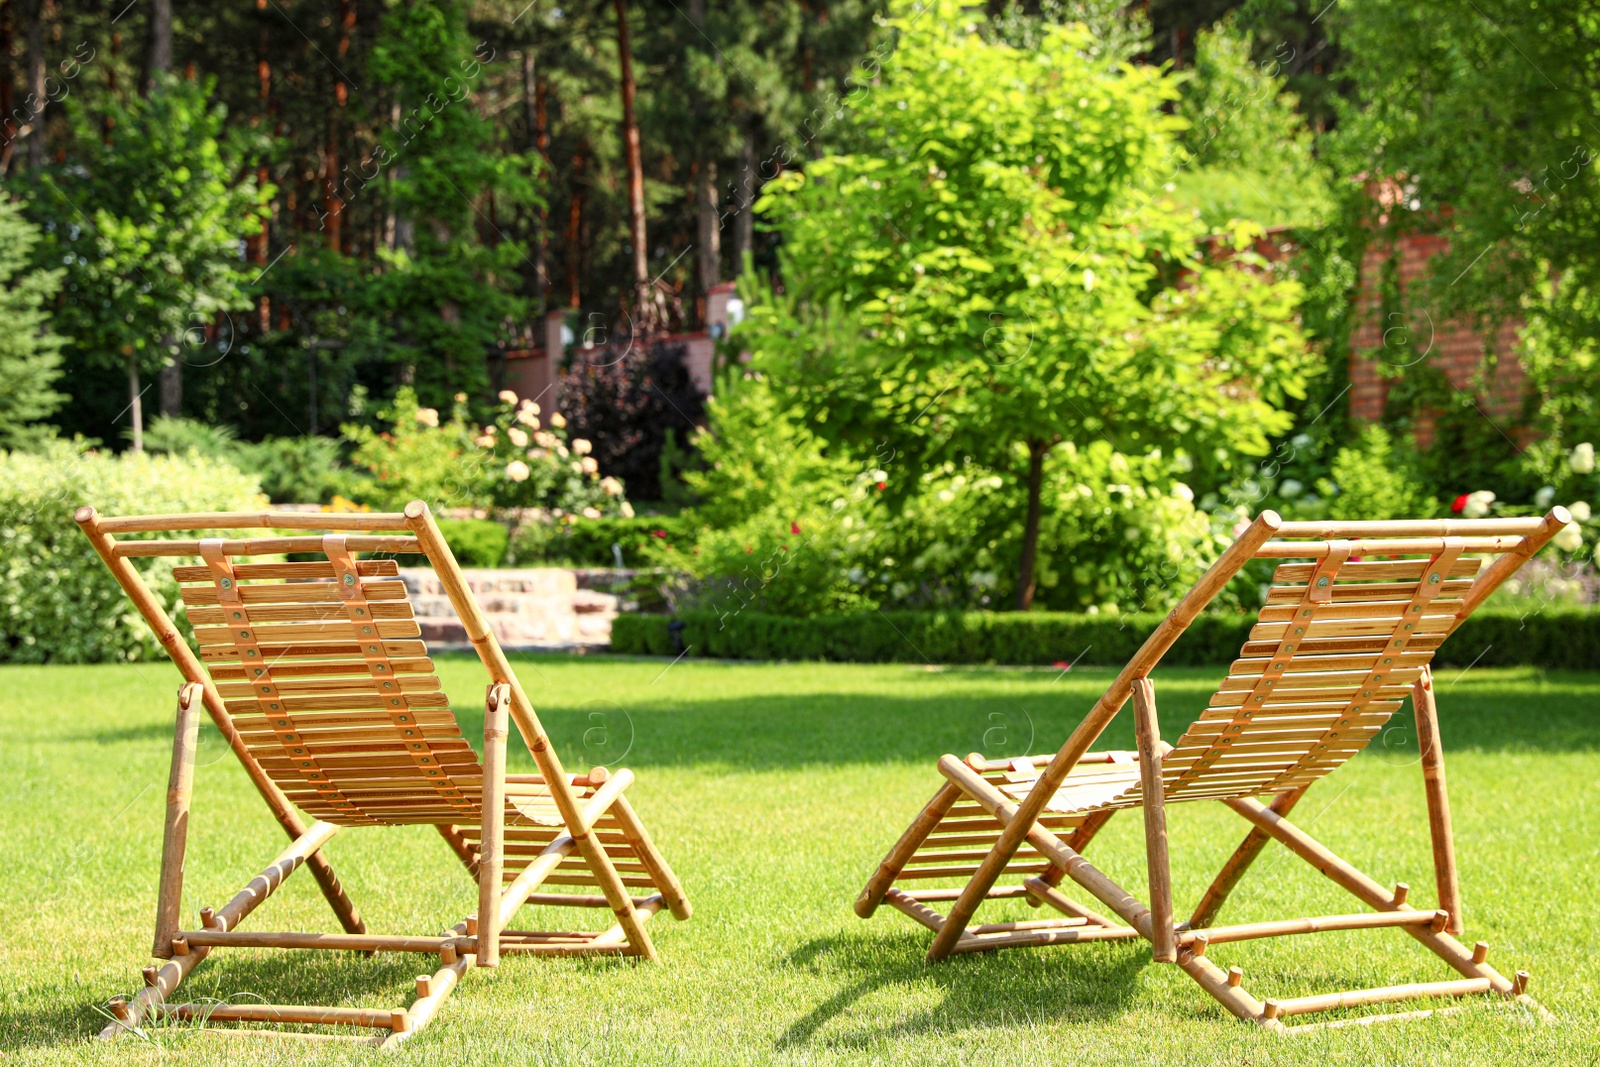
<point>883,485</point>
<point>794,527</point>
<point>658,533</point>
<point>1460,503</point>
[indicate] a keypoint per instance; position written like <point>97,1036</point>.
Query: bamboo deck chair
<point>1348,631</point>
<point>315,675</point>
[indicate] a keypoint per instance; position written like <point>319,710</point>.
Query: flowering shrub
<point>515,461</point>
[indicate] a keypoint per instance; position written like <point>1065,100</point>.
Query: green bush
<point>475,543</point>
<point>1553,639</point>
<point>58,603</point>
<point>587,542</point>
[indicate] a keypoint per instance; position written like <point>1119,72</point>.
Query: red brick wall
<point>1450,345</point>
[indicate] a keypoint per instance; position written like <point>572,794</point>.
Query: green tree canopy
<point>988,275</point>
<point>30,362</point>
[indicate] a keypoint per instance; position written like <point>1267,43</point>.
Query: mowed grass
<point>774,790</point>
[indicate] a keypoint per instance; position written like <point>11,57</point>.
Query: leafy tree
<point>629,406</point>
<point>148,223</point>
<point>30,361</point>
<point>988,276</point>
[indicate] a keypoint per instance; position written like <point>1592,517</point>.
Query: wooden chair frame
<point>972,794</point>
<point>474,941</point>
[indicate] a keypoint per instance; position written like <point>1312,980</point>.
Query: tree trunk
<point>158,57</point>
<point>333,201</point>
<point>744,229</point>
<point>574,234</point>
<point>709,254</point>
<point>170,382</point>
<point>262,243</point>
<point>630,144</point>
<point>135,405</point>
<point>37,92</point>
<point>534,116</point>
<point>1030,525</point>
<point>8,126</point>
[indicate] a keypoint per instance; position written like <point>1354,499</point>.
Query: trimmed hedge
<point>1557,638</point>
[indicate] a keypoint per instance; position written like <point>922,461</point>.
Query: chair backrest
<point>1345,632</point>
<point>316,669</point>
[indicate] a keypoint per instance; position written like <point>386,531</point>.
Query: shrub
<point>1562,639</point>
<point>58,603</point>
<point>587,542</point>
<point>474,542</point>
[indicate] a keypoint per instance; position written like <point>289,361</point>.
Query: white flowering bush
<point>58,603</point>
<point>520,459</point>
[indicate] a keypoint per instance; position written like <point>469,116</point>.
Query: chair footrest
<point>375,1018</point>
<point>1359,997</point>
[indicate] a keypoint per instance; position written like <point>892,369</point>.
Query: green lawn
<point>773,791</point>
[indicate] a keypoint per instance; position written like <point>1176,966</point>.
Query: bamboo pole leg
<point>491,845</point>
<point>1079,841</point>
<point>1105,709</point>
<point>175,835</point>
<point>877,886</point>
<point>1163,947</point>
<point>421,521</point>
<point>189,666</point>
<point>1205,913</point>
<point>666,882</point>
<point>1444,846</point>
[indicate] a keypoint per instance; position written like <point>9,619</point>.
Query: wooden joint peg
<point>447,953</point>
<point>1519,984</point>
<point>472,926</point>
<point>1401,891</point>
<point>1270,1010</point>
<point>1198,946</point>
<point>208,918</point>
<point>1441,921</point>
<point>180,946</point>
<point>424,986</point>
<point>976,761</point>
<point>119,1008</point>
<point>399,1021</point>
<point>598,776</point>
<point>1480,952</point>
<point>1235,976</point>
<point>150,975</point>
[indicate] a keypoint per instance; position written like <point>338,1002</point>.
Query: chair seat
<point>1111,783</point>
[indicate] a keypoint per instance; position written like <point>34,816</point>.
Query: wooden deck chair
<point>315,675</point>
<point>1343,638</point>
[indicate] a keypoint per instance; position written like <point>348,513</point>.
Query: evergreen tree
<point>30,362</point>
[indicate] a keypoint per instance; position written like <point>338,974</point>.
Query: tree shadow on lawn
<point>998,712</point>
<point>237,976</point>
<point>995,989</point>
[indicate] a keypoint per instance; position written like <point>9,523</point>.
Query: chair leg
<point>1444,846</point>
<point>1163,947</point>
<point>491,846</point>
<point>932,813</point>
<point>175,835</point>
<point>1243,856</point>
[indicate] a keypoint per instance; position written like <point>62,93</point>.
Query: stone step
<point>547,608</point>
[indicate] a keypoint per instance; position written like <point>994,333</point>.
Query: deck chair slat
<point>317,612</point>
<point>309,631</point>
<point>262,572</point>
<point>1375,570</point>
<point>277,653</point>
<point>401,683</point>
<point>1385,609</point>
<point>254,595</point>
<point>318,668</point>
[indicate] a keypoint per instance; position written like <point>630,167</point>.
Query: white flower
<point>1183,492</point>
<point>1477,505</point>
<point>581,446</point>
<point>561,450</point>
<point>1580,510</point>
<point>557,420</point>
<point>528,405</point>
<point>1582,458</point>
<point>490,431</point>
<point>1289,488</point>
<point>1544,497</point>
<point>627,510</point>
<point>461,398</point>
<point>529,416</point>
<point>518,438</point>
<point>577,468</point>
<point>1088,281</point>
<point>544,439</point>
<point>589,465</point>
<point>517,471</point>
<point>507,397</point>
<point>1300,441</point>
<point>428,416</point>
<point>611,486</point>
<point>591,513</point>
<point>486,441</point>
<point>1570,539</point>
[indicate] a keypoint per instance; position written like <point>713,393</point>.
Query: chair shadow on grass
<point>1078,983</point>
